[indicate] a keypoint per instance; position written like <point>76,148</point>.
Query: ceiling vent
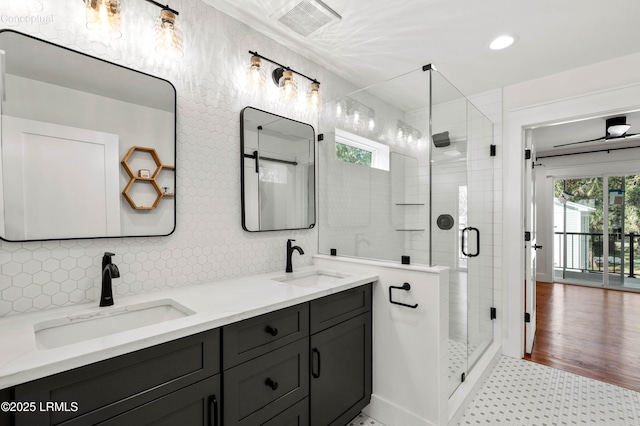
<point>306,17</point>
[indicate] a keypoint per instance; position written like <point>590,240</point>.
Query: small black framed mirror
<point>277,173</point>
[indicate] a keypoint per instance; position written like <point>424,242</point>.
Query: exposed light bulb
<point>314,97</point>
<point>356,117</point>
<point>168,40</point>
<point>256,74</point>
<point>103,17</point>
<point>338,109</point>
<point>372,123</point>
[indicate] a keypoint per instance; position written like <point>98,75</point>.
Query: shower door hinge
<point>492,313</point>
<point>527,317</point>
<point>527,235</point>
<point>527,154</point>
<point>492,150</point>
<point>427,67</point>
<point>463,377</point>
<point>320,137</point>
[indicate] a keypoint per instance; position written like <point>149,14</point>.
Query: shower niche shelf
<point>128,191</point>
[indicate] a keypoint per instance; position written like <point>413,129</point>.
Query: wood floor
<point>589,331</point>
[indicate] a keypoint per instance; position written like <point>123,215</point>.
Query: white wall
<point>209,243</point>
<point>600,89</point>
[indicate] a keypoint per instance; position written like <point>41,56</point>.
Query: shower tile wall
<point>356,202</point>
<point>209,243</point>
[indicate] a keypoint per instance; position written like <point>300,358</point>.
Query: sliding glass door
<point>578,230</point>
<point>624,230</point>
<point>596,230</point>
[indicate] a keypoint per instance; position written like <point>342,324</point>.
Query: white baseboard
<point>390,414</point>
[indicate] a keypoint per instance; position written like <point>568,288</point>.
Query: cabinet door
<point>111,387</point>
<point>195,405</point>
<point>341,371</point>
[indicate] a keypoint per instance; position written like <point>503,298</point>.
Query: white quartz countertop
<point>213,305</point>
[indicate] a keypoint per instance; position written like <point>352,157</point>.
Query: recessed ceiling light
<point>502,42</point>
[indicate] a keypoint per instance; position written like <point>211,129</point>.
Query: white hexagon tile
<point>208,243</point>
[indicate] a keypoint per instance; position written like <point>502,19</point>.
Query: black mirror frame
<point>242,192</point>
<point>175,145</point>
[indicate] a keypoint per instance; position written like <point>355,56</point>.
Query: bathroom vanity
<point>301,356</point>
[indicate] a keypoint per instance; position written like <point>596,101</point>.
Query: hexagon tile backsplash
<point>209,243</point>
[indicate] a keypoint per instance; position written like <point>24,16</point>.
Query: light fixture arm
<point>313,80</point>
<point>164,7</point>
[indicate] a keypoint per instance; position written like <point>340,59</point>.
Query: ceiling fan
<point>616,128</point>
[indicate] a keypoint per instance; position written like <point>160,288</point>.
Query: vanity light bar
<point>284,67</point>
<point>164,7</point>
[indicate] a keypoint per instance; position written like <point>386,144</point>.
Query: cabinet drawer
<point>257,390</point>
<point>195,405</point>
<point>111,387</point>
<point>331,310</point>
<point>298,415</point>
<point>253,337</point>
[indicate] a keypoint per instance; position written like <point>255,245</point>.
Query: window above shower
<point>356,149</point>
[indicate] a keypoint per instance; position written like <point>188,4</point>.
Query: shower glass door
<point>462,189</point>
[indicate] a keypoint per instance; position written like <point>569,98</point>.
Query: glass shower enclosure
<point>406,172</point>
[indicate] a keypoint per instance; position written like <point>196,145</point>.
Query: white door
<point>530,246</point>
<point>58,181</point>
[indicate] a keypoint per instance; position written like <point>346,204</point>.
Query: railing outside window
<point>584,252</point>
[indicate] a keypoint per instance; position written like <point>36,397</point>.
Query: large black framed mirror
<point>277,173</point>
<point>88,147</point>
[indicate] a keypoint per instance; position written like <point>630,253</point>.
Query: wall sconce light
<point>283,77</point>
<point>168,36</point>
<point>103,17</point>
<point>314,97</point>
<point>256,74</point>
<point>288,86</point>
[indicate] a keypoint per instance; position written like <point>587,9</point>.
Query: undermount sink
<point>105,321</point>
<point>312,278</point>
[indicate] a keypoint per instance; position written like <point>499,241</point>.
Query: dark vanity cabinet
<point>175,380</point>
<point>309,364</point>
<point>266,367</point>
<point>341,356</point>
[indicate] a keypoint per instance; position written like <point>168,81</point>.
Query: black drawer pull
<point>314,352</point>
<point>213,411</point>
<point>273,385</point>
<point>271,330</point>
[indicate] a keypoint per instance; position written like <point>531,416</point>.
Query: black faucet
<point>109,271</point>
<point>290,251</point>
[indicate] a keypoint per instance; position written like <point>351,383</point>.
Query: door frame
<point>590,105</point>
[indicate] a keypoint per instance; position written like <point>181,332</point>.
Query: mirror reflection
<point>88,147</point>
<point>278,172</point>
